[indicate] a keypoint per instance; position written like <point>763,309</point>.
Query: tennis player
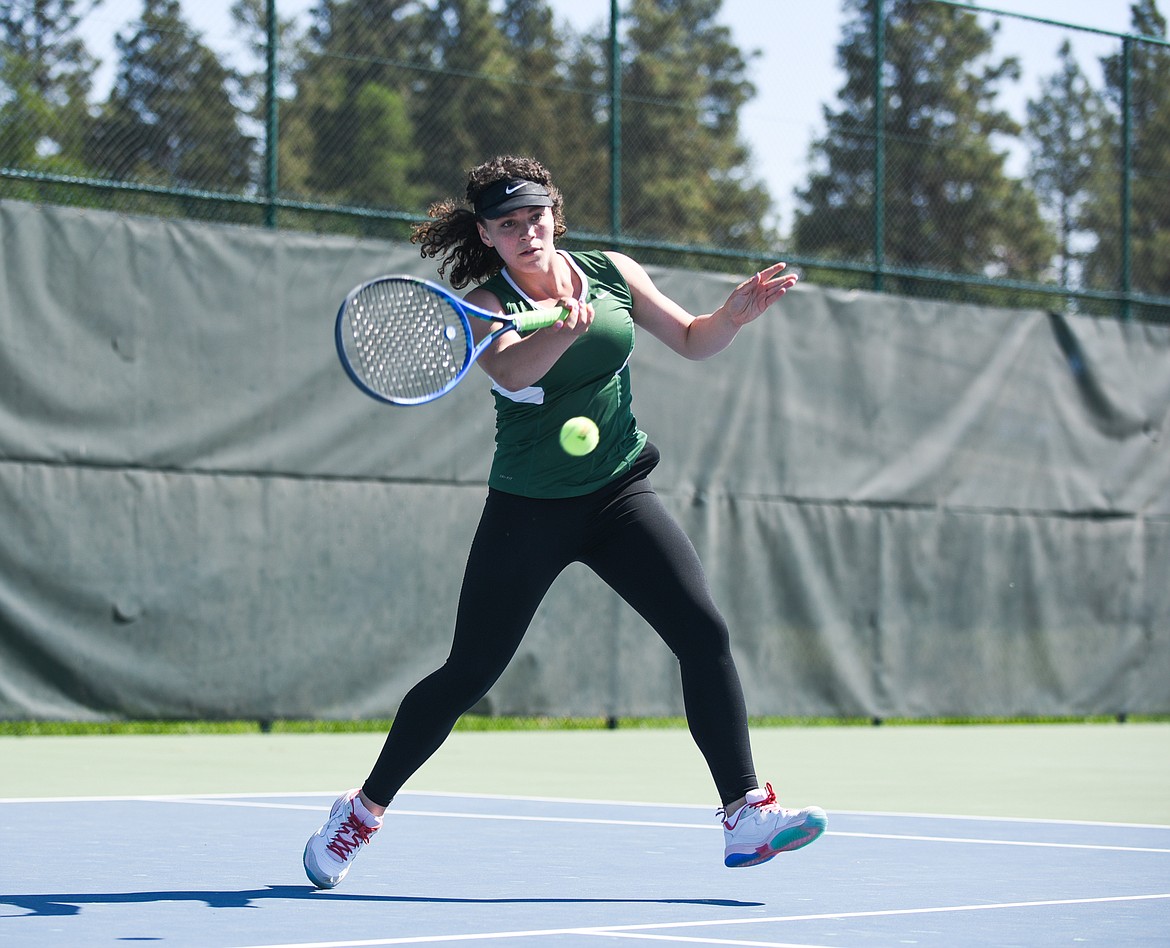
<point>546,508</point>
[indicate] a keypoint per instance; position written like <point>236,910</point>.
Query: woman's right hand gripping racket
<point>407,341</point>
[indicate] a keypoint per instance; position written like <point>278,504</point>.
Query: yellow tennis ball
<point>579,436</point>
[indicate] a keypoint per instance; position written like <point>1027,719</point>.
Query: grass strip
<point>471,722</point>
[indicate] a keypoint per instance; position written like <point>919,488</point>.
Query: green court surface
<point>1097,772</point>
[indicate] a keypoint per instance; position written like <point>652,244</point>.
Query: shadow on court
<point>68,904</point>
<point>567,873</point>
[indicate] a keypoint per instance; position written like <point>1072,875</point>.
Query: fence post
<point>271,132</point>
<point>879,146</point>
<point>615,125</point>
<point>1126,174</point>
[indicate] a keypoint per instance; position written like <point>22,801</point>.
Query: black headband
<point>507,194</point>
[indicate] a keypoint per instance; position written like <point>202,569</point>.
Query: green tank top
<point>592,379</point>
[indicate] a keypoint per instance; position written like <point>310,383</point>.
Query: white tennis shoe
<point>332,849</point>
<point>761,829</point>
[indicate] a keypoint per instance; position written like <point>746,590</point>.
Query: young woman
<point>548,508</point>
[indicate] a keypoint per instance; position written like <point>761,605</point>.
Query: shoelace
<point>769,802</point>
<point>350,835</point>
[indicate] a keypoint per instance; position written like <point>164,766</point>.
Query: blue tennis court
<point>223,871</point>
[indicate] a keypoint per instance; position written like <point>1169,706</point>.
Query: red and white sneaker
<point>762,828</point>
<point>332,849</point>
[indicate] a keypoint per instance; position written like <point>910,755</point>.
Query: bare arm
<point>513,361</point>
<point>700,337</point>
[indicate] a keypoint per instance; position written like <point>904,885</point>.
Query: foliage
<point>1068,130</point>
<point>382,105</point>
<point>1149,104</point>
<point>170,117</point>
<point>948,203</point>
<point>461,81</point>
<point>44,85</point>
<point>686,172</point>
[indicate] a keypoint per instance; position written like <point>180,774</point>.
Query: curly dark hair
<point>451,232</point>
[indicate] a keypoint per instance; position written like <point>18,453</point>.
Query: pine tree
<point>249,18</point>
<point>466,110</point>
<point>170,119</point>
<point>1150,134</point>
<point>556,80</point>
<point>686,172</point>
<point>45,74</point>
<point>1067,129</point>
<point>544,94</point>
<point>348,134</point>
<point>467,81</point>
<point>462,80</point>
<point>500,87</point>
<point>949,204</point>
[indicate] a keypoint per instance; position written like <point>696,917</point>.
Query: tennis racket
<point>408,341</point>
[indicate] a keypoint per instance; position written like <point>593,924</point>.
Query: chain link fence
<point>942,164</point>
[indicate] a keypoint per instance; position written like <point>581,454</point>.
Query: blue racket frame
<point>414,329</point>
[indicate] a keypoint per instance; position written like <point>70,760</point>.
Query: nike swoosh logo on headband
<point>515,187</point>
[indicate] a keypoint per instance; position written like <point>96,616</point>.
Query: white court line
<point>650,932</point>
<point>163,797</point>
<point>333,794</point>
<point>1003,819</point>
<point>621,931</point>
<point>688,940</point>
<point>975,841</point>
<point>662,824</point>
<point>518,798</point>
<point>441,814</point>
<point>262,801</point>
<point>713,809</point>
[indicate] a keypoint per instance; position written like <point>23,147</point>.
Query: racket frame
<point>518,322</point>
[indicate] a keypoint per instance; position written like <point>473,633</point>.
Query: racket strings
<point>407,342</point>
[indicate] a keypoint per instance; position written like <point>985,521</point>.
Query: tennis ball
<point>579,436</point>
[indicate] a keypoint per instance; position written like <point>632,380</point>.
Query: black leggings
<point>625,535</point>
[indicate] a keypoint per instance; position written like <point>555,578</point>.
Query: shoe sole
<point>787,840</point>
<point>325,883</point>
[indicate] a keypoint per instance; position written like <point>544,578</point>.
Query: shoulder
<point>491,294</point>
<point>608,265</point>
<point>594,261</point>
<point>622,261</point>
<point>484,298</point>
<point>632,272</point>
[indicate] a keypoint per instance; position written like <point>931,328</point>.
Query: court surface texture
<point>223,869</point>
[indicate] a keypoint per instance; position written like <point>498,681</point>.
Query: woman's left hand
<point>748,300</point>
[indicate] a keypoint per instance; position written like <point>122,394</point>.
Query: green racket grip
<point>538,319</point>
